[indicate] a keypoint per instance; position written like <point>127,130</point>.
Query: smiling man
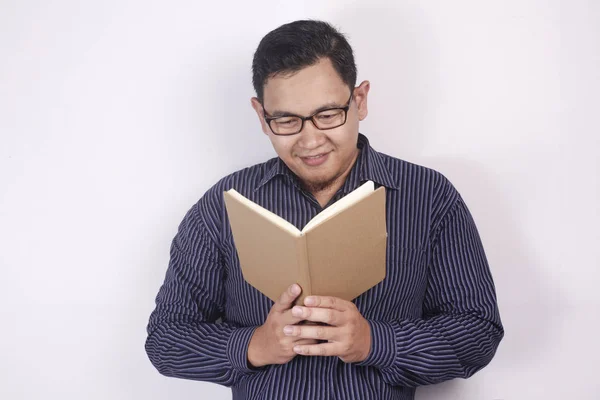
<point>433,318</point>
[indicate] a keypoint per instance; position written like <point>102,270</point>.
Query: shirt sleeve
<point>184,338</point>
<point>460,329</point>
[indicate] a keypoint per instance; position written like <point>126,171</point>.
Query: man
<point>433,318</point>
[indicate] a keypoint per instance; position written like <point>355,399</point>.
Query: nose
<point>311,137</point>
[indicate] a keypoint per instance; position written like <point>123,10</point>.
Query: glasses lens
<point>329,119</point>
<point>286,125</point>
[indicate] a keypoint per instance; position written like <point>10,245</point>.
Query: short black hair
<point>297,45</point>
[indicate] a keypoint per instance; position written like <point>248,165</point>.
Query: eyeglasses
<point>291,124</point>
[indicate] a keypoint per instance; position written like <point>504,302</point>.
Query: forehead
<point>306,89</point>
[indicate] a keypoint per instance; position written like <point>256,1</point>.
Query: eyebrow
<point>279,113</point>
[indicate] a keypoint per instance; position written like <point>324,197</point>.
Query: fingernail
<point>309,301</point>
<point>295,289</point>
<point>288,330</point>
<point>296,311</point>
<point>298,349</point>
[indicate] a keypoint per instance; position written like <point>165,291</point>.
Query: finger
<point>325,315</point>
<point>285,301</point>
<point>288,318</point>
<point>304,342</point>
<point>318,332</point>
<point>323,349</point>
<point>334,303</point>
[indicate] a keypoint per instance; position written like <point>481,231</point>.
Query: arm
<point>184,339</point>
<point>461,328</point>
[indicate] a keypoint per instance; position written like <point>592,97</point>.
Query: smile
<point>316,160</point>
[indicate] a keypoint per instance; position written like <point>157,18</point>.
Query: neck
<point>325,195</point>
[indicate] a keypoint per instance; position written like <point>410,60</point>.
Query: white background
<point>116,116</point>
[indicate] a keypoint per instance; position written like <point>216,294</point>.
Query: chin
<point>318,182</point>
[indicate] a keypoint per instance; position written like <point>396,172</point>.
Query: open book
<point>341,252</point>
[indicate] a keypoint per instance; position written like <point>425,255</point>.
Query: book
<point>341,252</point>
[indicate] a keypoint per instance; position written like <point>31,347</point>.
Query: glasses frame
<point>310,117</point>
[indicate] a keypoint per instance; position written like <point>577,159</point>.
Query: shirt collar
<point>278,169</point>
<point>372,165</point>
<point>369,166</point>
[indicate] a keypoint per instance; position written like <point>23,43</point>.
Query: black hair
<point>297,45</point>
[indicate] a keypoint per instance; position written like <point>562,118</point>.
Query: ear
<point>360,96</point>
<point>260,112</point>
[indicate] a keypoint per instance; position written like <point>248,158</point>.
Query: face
<point>320,158</point>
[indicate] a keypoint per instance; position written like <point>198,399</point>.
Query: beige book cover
<point>341,252</point>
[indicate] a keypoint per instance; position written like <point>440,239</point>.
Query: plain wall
<point>116,116</point>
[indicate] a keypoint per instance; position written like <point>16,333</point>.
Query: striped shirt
<point>433,318</point>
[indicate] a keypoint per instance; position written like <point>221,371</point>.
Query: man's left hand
<point>347,333</point>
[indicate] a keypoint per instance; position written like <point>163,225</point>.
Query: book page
<point>340,205</point>
<point>274,218</point>
<point>347,252</point>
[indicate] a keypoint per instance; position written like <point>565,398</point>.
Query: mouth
<point>315,160</point>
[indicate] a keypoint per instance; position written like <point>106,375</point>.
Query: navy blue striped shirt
<point>433,318</point>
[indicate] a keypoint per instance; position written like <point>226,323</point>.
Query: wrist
<point>366,342</point>
<point>256,350</point>
<point>382,351</point>
<point>237,349</point>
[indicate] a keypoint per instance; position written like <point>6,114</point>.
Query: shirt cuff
<point>237,349</point>
<point>383,346</point>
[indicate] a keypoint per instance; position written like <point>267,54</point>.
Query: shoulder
<point>421,185</point>
<point>411,176</point>
<point>244,180</point>
<point>209,210</point>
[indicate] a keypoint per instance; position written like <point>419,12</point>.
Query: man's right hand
<point>269,344</point>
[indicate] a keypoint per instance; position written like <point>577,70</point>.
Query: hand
<point>269,344</point>
<point>347,334</point>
